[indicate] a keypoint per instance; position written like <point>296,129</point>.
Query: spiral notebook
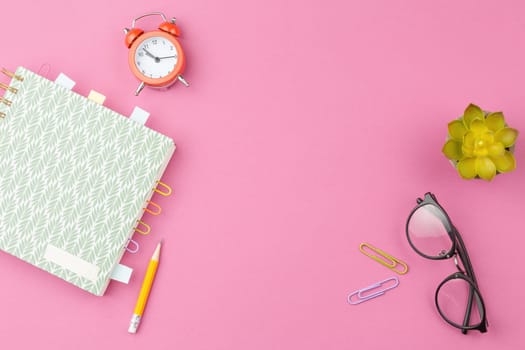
<point>75,178</point>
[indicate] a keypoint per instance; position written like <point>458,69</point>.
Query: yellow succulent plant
<point>480,144</point>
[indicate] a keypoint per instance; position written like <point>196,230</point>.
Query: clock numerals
<point>156,57</point>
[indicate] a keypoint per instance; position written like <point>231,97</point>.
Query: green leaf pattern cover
<point>73,174</point>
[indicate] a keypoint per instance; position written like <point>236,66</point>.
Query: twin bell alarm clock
<point>155,57</point>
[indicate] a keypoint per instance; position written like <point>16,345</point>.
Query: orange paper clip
<point>384,258</point>
<point>140,225</point>
<point>157,207</point>
<point>166,187</point>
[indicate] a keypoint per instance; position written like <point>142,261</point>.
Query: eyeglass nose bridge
<point>456,262</point>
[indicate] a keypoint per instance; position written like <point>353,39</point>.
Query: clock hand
<point>150,55</point>
<point>161,58</point>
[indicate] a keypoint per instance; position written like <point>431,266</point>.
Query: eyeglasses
<point>433,236</point>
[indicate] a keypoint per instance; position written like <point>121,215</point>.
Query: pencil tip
<point>156,253</point>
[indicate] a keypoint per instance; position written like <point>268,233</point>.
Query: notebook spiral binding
<point>12,75</point>
<point>5,101</point>
<point>8,88</point>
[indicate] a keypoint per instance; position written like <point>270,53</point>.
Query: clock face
<point>156,57</point>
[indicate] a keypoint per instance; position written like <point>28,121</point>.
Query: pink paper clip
<point>361,295</point>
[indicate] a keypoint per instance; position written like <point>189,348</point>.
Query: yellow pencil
<point>144,290</point>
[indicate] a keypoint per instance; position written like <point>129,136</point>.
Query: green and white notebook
<point>74,180</point>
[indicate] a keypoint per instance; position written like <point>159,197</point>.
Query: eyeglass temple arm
<point>465,259</point>
<point>468,311</point>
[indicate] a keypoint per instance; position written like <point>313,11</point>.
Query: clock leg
<point>183,81</point>
<point>139,89</point>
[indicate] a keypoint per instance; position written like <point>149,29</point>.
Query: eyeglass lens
<point>427,231</point>
<point>452,300</point>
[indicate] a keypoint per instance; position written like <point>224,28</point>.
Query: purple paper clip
<point>361,295</point>
<point>135,243</point>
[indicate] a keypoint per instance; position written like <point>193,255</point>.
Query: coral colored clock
<point>155,57</point>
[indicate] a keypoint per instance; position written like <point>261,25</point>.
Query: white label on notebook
<point>121,273</point>
<point>65,81</point>
<point>71,262</point>
<point>139,115</point>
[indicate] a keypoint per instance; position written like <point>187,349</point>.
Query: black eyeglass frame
<point>457,249</point>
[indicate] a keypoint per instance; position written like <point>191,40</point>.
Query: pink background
<point>310,127</point>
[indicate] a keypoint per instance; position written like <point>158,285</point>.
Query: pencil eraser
<point>134,324</point>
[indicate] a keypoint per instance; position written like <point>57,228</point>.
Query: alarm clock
<point>155,57</point>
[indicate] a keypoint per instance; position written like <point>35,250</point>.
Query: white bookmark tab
<point>65,81</point>
<point>121,273</point>
<point>96,97</point>
<point>139,115</point>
